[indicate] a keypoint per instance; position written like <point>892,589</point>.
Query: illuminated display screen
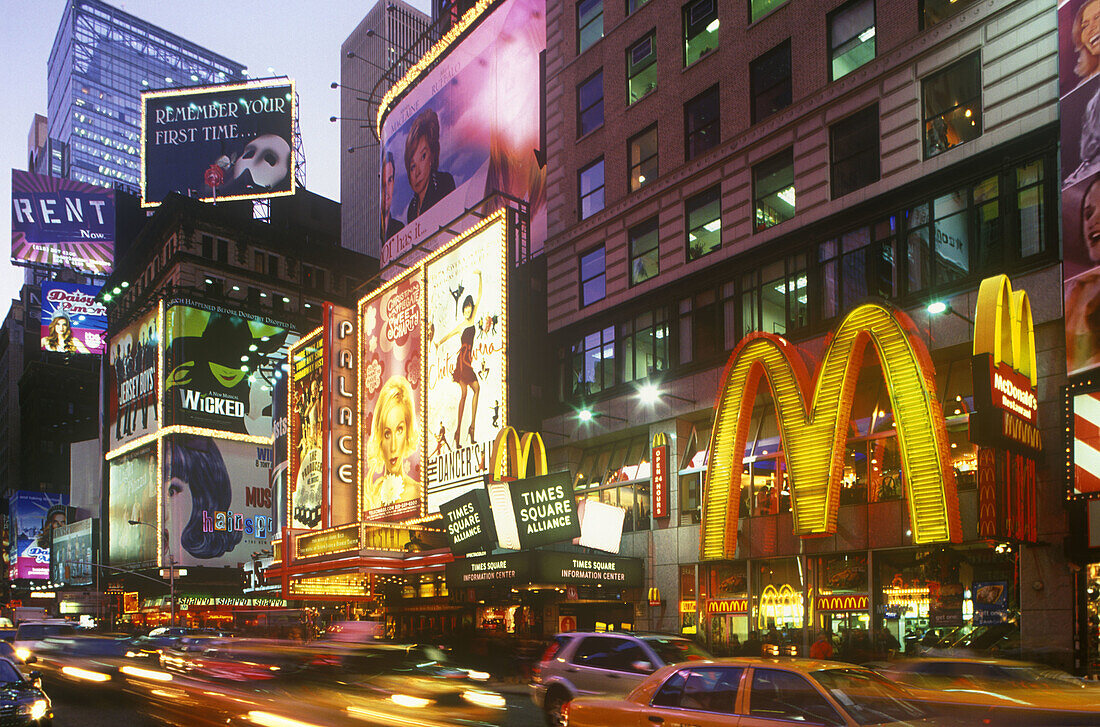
<point>62,223</point>
<point>132,392</point>
<point>73,321</point>
<point>305,473</point>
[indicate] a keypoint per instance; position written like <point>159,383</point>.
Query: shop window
<point>1031,209</point>
<point>704,223</point>
<point>854,152</point>
<point>859,264</point>
<point>590,188</point>
<point>778,588</point>
<point>936,11</point>
<point>589,23</point>
<point>773,190</point>
<point>593,281</point>
<point>645,345</point>
<point>700,29</point>
<point>952,106</point>
<point>590,104</point>
<point>851,37</point>
<point>770,79</point>
<point>645,261</point>
<point>760,8</point>
<point>641,68</point>
<point>593,361</point>
<point>642,153</point>
<point>702,131</point>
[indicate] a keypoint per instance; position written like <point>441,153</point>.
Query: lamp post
<point>171,573</point>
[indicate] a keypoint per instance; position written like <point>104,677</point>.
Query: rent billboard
<point>34,516</point>
<point>392,400</point>
<point>72,553</point>
<point>62,223</point>
<point>217,500</point>
<point>132,389</point>
<point>218,363</point>
<point>132,496</point>
<point>305,456</point>
<point>73,321</point>
<point>466,380</point>
<point>467,128</point>
<point>232,141</point>
<point>1078,60</point>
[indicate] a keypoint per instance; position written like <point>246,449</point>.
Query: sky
<point>296,39</point>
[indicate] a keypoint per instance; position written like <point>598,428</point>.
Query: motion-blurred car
<point>989,691</point>
<point>92,665</point>
<point>754,692</point>
<point>22,701</point>
<point>163,637</point>
<point>32,633</point>
<point>583,663</point>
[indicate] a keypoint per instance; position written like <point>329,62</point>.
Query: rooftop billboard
<point>62,223</point>
<point>231,141</point>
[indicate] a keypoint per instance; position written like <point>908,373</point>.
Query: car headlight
<point>406,700</point>
<point>22,654</point>
<point>478,676</point>
<point>484,699</point>
<point>38,709</point>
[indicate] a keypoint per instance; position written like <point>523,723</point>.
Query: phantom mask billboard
<point>232,141</point>
<point>34,515</point>
<point>468,128</point>
<point>73,321</point>
<point>132,393</point>
<point>391,325</point>
<point>133,497</point>
<point>62,223</point>
<point>219,366</point>
<point>217,500</point>
<point>466,360</point>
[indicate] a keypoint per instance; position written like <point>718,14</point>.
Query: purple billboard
<point>34,516</point>
<point>62,223</point>
<point>73,321</point>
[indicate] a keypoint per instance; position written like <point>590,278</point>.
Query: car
<point>22,701</point>
<point>581,663</point>
<point>31,634</point>
<point>993,691</point>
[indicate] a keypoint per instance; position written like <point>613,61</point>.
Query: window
<point>609,652</point>
<point>935,11</point>
<point>644,254</point>
<point>313,277</point>
<point>273,266</point>
<point>704,222</point>
<point>589,23</point>
<point>633,5</point>
<point>593,363</point>
<point>700,327</point>
<point>223,251</point>
<point>591,189</point>
<point>705,689</point>
<point>593,276</point>
<point>773,190</point>
<point>940,244</point>
<point>700,29</point>
<point>851,37</point>
<point>760,8</point>
<point>780,694</point>
<point>642,152</point>
<point>1030,208</point>
<point>770,77</point>
<point>641,68</point>
<point>208,247</point>
<point>952,106</point>
<point>775,298</point>
<point>590,104</point>
<point>645,345</point>
<point>859,264</point>
<point>701,123</point>
<point>853,151</point>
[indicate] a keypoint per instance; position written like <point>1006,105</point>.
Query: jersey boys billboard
<point>132,392</point>
<point>73,321</point>
<point>233,141</point>
<point>62,223</point>
<point>467,128</point>
<point>305,471</point>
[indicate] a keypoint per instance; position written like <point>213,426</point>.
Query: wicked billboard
<point>233,141</point>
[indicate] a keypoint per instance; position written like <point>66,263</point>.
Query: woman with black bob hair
<point>198,484</point>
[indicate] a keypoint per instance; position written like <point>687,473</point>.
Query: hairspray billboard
<point>219,367</point>
<point>1079,89</point>
<point>34,517</point>
<point>232,141</point>
<point>392,403</point>
<point>217,500</point>
<point>132,389</point>
<point>468,127</point>
<point>132,497</point>
<point>73,321</point>
<point>305,471</point>
<point>62,223</point>
<point>466,344</point>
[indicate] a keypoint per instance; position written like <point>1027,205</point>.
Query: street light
<point>587,415</point>
<point>171,572</point>
<point>649,393</point>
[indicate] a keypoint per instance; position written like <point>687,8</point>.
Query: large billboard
<point>392,404</point>
<point>34,515</point>
<point>212,361</point>
<point>132,496</point>
<point>467,128</point>
<point>1078,60</point>
<point>62,223</point>
<point>305,471</point>
<point>466,360</point>
<point>217,500</point>
<point>233,141</point>
<point>72,554</point>
<point>73,321</point>
<point>132,390</point>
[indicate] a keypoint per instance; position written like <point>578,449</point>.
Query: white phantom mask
<point>266,159</point>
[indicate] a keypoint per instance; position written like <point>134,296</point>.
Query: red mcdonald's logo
<point>849,602</point>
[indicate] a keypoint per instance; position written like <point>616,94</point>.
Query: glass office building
<point>102,59</point>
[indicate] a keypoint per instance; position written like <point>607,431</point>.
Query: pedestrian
<point>753,645</point>
<point>823,647</point>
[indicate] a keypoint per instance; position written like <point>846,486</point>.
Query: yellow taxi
<point>753,692</point>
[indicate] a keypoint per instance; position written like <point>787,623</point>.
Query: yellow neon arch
<point>513,452</point>
<point>814,433</point>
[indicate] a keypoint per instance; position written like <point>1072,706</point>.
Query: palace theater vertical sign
<point>341,451</point>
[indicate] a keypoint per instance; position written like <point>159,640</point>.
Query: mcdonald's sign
<point>659,475</point>
<point>813,417</point>
<point>512,453</point>
<point>849,602</point>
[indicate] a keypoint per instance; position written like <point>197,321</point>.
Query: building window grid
<point>593,363</point>
<point>642,156</point>
<point>590,187</point>
<point>589,23</point>
<point>770,81</point>
<point>593,276</point>
<point>704,223</point>
<point>645,260</point>
<point>645,345</point>
<point>700,22</point>
<point>641,68</point>
<point>854,152</point>
<point>773,190</point>
<point>702,128</point>
<point>851,30</point>
<point>590,104</point>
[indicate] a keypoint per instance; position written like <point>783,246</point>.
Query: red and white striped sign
<point>1086,443</point>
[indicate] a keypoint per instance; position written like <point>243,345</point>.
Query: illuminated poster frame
<point>311,342</point>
